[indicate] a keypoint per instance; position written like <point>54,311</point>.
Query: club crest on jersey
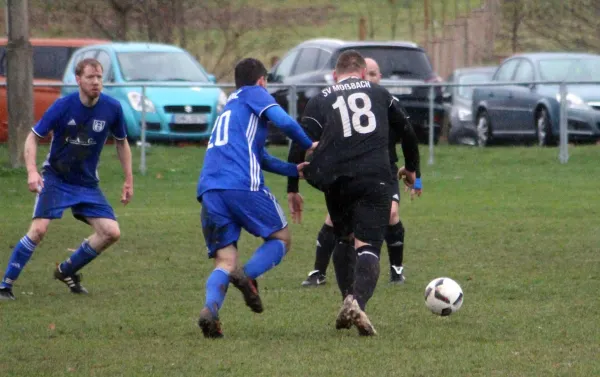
<point>98,125</point>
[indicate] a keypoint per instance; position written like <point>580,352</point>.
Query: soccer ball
<point>443,296</point>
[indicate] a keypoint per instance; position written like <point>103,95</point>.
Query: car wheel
<point>543,127</point>
<point>484,129</point>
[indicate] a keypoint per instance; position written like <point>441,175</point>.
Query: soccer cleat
<point>249,288</point>
<point>210,324</point>
<point>343,320</point>
<point>397,275</point>
<point>73,281</point>
<point>361,320</point>
<point>6,294</point>
<point>314,279</point>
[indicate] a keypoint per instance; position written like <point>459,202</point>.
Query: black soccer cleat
<point>73,281</point>
<point>249,288</point>
<point>314,279</point>
<point>397,275</point>
<point>6,294</point>
<point>210,324</point>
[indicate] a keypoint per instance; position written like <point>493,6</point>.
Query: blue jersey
<point>236,147</point>
<point>79,134</point>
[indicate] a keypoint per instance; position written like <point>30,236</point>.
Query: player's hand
<point>295,204</point>
<point>417,189</point>
<point>407,176</point>
<point>127,192</point>
<point>35,182</point>
<point>301,168</point>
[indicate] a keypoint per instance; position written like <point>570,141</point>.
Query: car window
<point>104,59</point>
<point>49,62</point>
<point>524,72</point>
<point>399,62</point>
<point>307,61</point>
<point>284,68</point>
<point>160,66</point>
<point>324,57</point>
<point>470,78</point>
<point>506,70</point>
<point>571,69</point>
<point>2,61</point>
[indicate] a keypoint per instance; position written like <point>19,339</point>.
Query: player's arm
<point>400,122</point>
<point>312,123</point>
<point>119,132</point>
<point>42,129</point>
<point>289,126</point>
<point>277,166</point>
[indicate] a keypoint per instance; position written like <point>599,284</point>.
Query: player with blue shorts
<point>80,124</point>
<point>233,194</point>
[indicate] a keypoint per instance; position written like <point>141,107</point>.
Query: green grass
<point>515,228</point>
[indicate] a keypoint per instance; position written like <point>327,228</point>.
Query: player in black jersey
<point>395,232</point>
<point>351,166</point>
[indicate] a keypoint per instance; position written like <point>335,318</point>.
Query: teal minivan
<point>185,113</point>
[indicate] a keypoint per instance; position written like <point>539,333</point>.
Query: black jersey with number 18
<point>352,120</point>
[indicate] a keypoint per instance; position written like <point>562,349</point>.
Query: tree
<point>19,80</point>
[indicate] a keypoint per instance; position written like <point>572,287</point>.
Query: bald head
<point>373,72</point>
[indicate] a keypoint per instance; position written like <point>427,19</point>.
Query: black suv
<point>313,61</point>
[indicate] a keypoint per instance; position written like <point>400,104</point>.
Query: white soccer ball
<point>443,296</point>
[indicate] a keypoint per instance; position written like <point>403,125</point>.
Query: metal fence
<point>563,154</point>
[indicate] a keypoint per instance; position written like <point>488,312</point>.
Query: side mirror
<point>271,77</point>
<point>212,78</point>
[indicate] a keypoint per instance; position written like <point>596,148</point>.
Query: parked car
<point>401,63</point>
<point>172,113</point>
<point>458,104</point>
<point>532,111</point>
<point>50,57</point>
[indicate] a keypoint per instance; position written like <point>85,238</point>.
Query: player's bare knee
<point>226,258</point>
<point>284,236</point>
<point>38,230</point>
<point>111,234</point>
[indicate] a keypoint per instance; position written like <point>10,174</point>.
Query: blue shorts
<point>57,196</point>
<point>225,212</point>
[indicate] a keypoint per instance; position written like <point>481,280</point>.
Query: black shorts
<point>360,206</point>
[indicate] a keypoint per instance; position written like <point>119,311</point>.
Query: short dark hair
<point>248,71</point>
<point>87,62</point>
<point>350,61</point>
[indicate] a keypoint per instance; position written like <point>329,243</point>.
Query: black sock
<point>394,238</point>
<point>366,274</point>
<point>344,260</point>
<point>325,246</point>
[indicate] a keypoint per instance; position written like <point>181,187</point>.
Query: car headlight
<point>221,102</point>
<point>135,100</point>
<point>574,102</point>
<point>465,115</point>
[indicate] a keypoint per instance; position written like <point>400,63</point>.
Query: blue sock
<point>216,289</point>
<point>267,256</point>
<point>82,256</point>
<point>18,259</point>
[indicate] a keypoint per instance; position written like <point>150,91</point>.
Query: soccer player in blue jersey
<point>233,194</point>
<point>80,123</point>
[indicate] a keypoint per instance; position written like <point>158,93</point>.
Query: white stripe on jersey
<point>254,166</point>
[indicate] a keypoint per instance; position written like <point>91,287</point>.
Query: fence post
<point>431,125</point>
<point>563,154</point>
<point>293,102</point>
<point>143,136</point>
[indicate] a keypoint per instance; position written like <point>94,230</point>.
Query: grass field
<point>515,228</point>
